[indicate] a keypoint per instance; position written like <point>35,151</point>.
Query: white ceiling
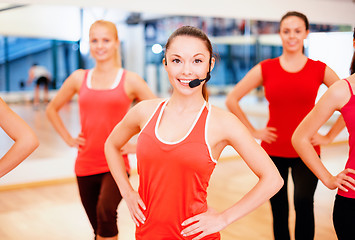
<point>60,17</point>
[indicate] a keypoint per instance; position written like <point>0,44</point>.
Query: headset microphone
<point>197,82</point>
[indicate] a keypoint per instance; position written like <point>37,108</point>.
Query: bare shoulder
<point>3,106</point>
<point>250,81</point>
<point>223,121</point>
<point>78,74</point>
<point>147,107</point>
<point>143,110</point>
<point>150,103</point>
<point>136,87</point>
<point>220,114</point>
<point>339,90</point>
<point>132,77</point>
<point>330,77</point>
<point>337,95</point>
<point>256,71</point>
<point>76,78</point>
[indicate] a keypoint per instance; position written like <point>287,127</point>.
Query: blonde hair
<point>112,27</point>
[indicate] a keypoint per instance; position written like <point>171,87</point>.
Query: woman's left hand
<point>319,139</point>
<point>204,224</point>
<point>129,148</point>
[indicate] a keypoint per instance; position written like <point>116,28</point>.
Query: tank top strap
<point>199,133</point>
<point>83,84</point>
<point>119,78</point>
<point>351,90</point>
<point>199,128</point>
<point>150,124</point>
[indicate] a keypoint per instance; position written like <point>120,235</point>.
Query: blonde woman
<point>105,95</point>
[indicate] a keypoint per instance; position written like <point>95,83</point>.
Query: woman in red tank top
<point>291,84</point>
<point>105,95</point>
<point>179,142</point>
<point>339,97</point>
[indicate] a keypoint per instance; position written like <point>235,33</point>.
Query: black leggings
<point>344,217</point>
<point>100,197</point>
<point>305,183</point>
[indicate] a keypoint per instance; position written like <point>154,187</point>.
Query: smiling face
<point>293,32</point>
<point>186,59</point>
<point>103,42</point>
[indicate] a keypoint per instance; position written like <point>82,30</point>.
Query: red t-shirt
<point>173,178</point>
<point>291,97</point>
<point>348,112</point>
<point>100,112</point>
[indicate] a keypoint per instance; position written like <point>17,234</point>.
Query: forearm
<point>310,157</point>
<point>58,125</point>
<point>18,152</point>
<point>337,127</point>
<point>234,107</point>
<point>117,168</point>
<point>265,188</point>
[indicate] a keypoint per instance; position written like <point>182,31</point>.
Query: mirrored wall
<point>239,44</point>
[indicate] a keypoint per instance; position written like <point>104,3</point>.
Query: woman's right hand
<point>77,142</point>
<point>135,205</point>
<point>342,181</point>
<point>267,134</point>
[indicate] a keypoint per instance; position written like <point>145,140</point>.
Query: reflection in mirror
<point>239,45</point>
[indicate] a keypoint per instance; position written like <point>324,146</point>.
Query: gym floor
<point>39,199</point>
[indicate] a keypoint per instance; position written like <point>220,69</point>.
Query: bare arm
<point>330,77</point>
<point>69,88</point>
<point>30,76</point>
<point>25,140</point>
<point>269,183</point>
<point>337,127</point>
<point>119,136</point>
<point>130,125</point>
<point>251,80</point>
<point>260,163</point>
<point>331,101</point>
<point>137,88</point>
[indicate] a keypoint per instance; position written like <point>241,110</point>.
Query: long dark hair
<point>352,65</point>
<point>197,33</point>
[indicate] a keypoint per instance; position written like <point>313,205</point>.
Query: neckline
<point>283,69</point>
<point>114,84</point>
<point>188,132</point>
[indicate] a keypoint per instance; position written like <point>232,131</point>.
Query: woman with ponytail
<point>180,140</point>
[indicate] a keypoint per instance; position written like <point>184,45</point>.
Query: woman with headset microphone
<point>180,140</point>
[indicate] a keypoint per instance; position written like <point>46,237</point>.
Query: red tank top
<point>100,111</point>
<point>173,178</point>
<point>291,97</point>
<point>348,112</point>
